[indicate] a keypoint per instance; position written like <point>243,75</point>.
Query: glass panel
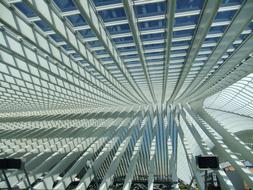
<point>151,25</point>
<point>87,33</point>
<point>67,47</point>
<point>155,53</point>
<point>76,55</point>
<point>154,60</point>
<point>95,43</point>
<point>244,36</point>
<point>178,51</point>
<point>42,25</point>
<point>27,11</point>
<point>182,43</point>
<point>125,49</point>
<point>99,52</point>
<point>106,2</point>
<point>201,56</point>
<point>177,59</point>
<point>113,14</point>
<point>217,29</point>
<point>76,20</point>
<point>154,67</point>
<point>187,5</point>
<point>154,46</point>
<point>150,9</point>
<point>136,63</point>
<point>157,36</point>
<point>231,2</point>
<point>118,29</point>
<point>250,26</point>
<point>186,20</point>
<point>123,40</point>
<point>224,15</point>
<point>183,33</point>
<point>130,56</point>
<point>65,5</point>
<point>56,37</point>
<point>212,40</point>
<point>106,59</point>
<point>206,49</point>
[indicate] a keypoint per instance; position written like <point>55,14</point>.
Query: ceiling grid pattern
<point>134,86</point>
<point>109,42</point>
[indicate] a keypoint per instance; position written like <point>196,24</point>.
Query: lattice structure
<point>94,91</point>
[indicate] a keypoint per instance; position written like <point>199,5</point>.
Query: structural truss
<point>95,92</point>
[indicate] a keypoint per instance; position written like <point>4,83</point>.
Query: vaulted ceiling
<point>143,84</point>
<point>120,53</point>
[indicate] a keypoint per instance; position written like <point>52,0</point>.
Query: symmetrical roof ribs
<point>136,52</point>
<point>122,83</point>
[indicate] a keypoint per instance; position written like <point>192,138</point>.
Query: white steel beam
<point>48,180</point>
<point>142,19</point>
<point>87,155</point>
<point>223,178</point>
<point>242,19</point>
<point>47,64</point>
<point>96,24</point>
<point>171,7</point>
<point>209,11</point>
<point>152,154</point>
<point>135,155</point>
<point>190,158</point>
<point>88,137</point>
<point>229,139</point>
<point>45,11</point>
<point>81,145</point>
<point>91,172</point>
<point>224,150</point>
<point>108,178</point>
<point>15,176</point>
<point>241,56</point>
<point>128,6</point>
<point>38,40</point>
<point>87,89</point>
